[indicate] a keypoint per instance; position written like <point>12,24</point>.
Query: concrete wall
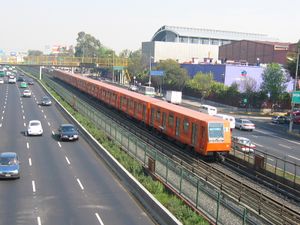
<point>183,52</point>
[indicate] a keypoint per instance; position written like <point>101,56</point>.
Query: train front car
<point>207,135</point>
<point>218,138</point>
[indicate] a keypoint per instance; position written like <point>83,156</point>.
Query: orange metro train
<point>205,134</point>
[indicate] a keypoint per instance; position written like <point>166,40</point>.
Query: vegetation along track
<point>252,196</point>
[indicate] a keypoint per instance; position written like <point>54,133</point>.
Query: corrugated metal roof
<point>214,34</point>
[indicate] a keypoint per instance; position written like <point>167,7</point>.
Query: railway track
<point>254,197</point>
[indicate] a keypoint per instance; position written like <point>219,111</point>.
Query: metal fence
<point>216,205</point>
<point>279,167</point>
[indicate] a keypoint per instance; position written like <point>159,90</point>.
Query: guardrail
<point>284,173</point>
<point>216,205</point>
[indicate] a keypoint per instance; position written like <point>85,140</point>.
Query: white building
<point>192,45</point>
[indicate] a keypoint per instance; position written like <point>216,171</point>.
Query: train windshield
<point>216,132</point>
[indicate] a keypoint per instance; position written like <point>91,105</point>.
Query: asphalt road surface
<point>61,182</point>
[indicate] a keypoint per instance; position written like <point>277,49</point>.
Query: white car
<point>34,128</point>
<point>244,124</point>
<point>1,81</point>
<point>243,144</point>
<point>26,93</point>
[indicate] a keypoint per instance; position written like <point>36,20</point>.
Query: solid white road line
<point>293,157</point>
<point>258,145</point>
<point>49,124</point>
<point>59,144</point>
<point>99,219</point>
<point>27,145</point>
<point>82,188</point>
<point>68,160</point>
<point>284,146</point>
<point>33,186</point>
<point>270,134</point>
<point>39,220</point>
<point>29,161</point>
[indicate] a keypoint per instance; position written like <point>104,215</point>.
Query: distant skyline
<point>119,25</point>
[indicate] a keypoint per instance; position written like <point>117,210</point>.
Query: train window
<point>171,120</point>
<point>158,115</point>
<point>177,128</point>
<point>140,107</point>
<point>135,108</point>
<point>152,116</point>
<point>131,104</point>
<point>186,126</point>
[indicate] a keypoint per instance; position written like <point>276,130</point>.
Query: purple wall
<point>229,74</point>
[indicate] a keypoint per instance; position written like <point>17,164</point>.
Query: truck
<point>174,97</point>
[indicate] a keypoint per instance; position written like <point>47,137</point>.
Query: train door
<point>177,128</point>
<point>164,117</point>
<point>144,113</point>
<point>152,117</point>
<point>194,134</point>
<point>135,109</point>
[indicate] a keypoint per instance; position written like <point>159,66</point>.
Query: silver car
<point>244,124</point>
<point>9,165</point>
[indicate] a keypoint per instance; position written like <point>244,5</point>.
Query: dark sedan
<point>280,119</point>
<point>9,165</point>
<point>46,101</point>
<point>68,132</point>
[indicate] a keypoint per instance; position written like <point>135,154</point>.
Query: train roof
<point>186,111</point>
<point>158,102</point>
<point>112,87</point>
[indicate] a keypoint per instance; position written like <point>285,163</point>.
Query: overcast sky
<point>33,24</point>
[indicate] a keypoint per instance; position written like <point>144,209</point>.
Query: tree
<point>273,81</point>
<point>292,62</point>
<point>175,77</point>
<point>88,46</point>
<point>35,53</point>
<point>202,82</point>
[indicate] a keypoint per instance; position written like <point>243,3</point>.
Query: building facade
<point>254,52</point>
<point>192,45</point>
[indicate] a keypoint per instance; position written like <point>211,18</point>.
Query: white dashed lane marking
<point>284,146</point>
<point>39,220</point>
<point>24,124</point>
<point>23,117</point>
<point>293,157</point>
<point>99,219</point>
<point>53,133</point>
<point>68,160</point>
<point>49,124</point>
<point>82,188</point>
<point>27,145</point>
<point>45,116</point>
<point>33,186</point>
<point>59,144</point>
<point>30,162</point>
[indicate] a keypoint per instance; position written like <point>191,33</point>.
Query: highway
<point>61,182</point>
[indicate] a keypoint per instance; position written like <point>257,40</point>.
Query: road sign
<point>245,100</point>
<point>157,72</point>
<point>296,97</point>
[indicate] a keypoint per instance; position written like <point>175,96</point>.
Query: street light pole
<point>294,89</point>
<point>150,71</point>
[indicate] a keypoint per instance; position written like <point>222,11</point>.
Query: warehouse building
<point>192,45</point>
<point>254,52</point>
